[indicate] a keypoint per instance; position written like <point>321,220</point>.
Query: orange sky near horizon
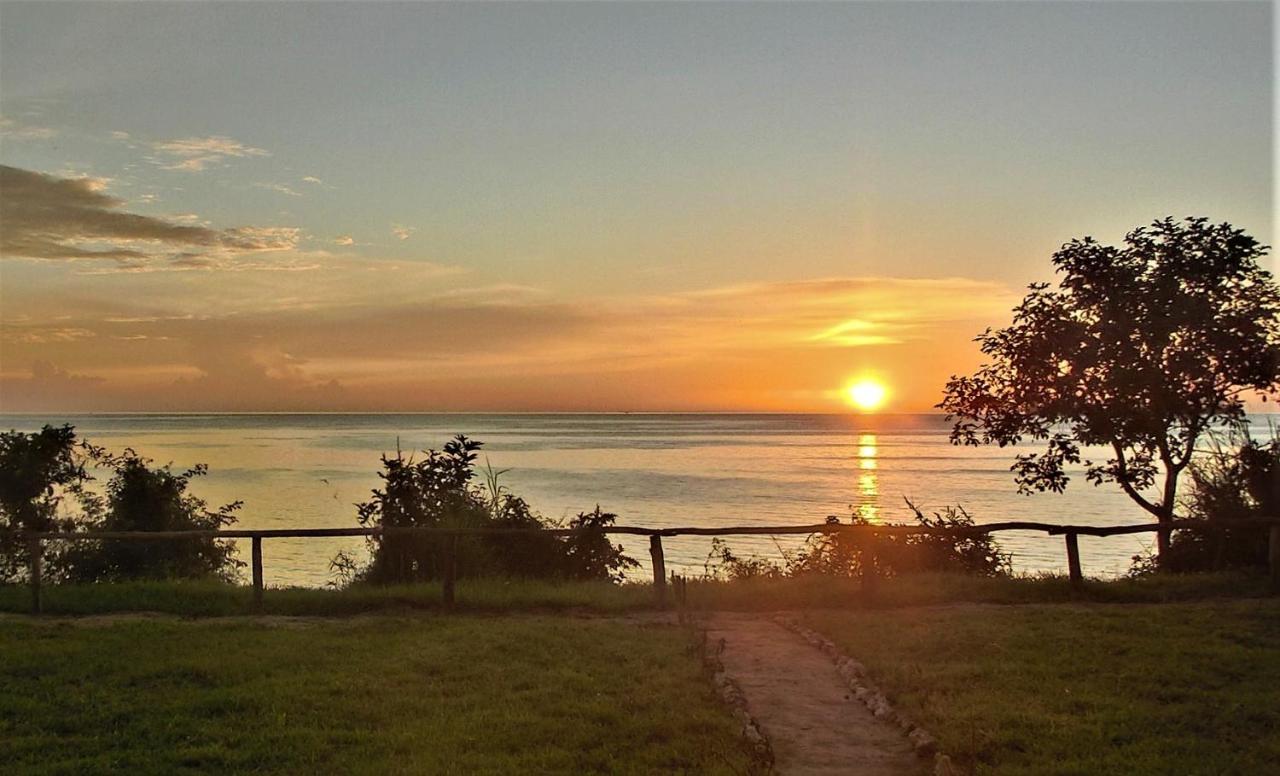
<point>583,207</point>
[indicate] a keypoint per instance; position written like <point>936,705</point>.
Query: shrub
<point>438,491</point>
<point>844,553</point>
<point>142,498</point>
<point>1238,479</point>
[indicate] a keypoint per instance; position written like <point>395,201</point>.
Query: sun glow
<point>867,395</point>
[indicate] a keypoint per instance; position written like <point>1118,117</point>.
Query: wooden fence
<point>1071,534</point>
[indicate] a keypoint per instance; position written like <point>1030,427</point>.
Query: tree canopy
<point>1140,350</point>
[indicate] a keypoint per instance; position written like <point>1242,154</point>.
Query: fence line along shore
<point>35,541</point>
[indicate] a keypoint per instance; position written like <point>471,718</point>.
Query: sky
<point>583,206</point>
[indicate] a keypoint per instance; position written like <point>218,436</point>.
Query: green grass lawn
<point>425,694</point>
<point>1181,688</point>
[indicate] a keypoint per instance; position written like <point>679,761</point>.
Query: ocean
<point>654,470</point>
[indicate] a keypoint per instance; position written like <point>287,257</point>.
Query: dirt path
<point>804,708</point>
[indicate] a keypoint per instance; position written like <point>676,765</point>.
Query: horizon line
<point>851,414</point>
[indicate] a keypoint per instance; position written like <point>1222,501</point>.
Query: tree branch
<point>1123,471</point>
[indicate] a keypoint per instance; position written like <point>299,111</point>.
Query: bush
<point>1238,479</point>
<point>44,487</point>
<point>844,553</point>
<point>142,498</point>
<point>438,491</point>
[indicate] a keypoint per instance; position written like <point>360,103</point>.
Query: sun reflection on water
<point>868,506</point>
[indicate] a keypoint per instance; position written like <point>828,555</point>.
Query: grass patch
<point>1187,688</point>
<point>209,599</point>
<point>215,599</point>
<point>433,694</point>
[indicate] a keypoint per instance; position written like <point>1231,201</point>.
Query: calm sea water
<point>652,470</point>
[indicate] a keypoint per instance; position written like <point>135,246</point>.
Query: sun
<point>867,395</point>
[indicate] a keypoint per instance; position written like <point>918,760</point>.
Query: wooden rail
<point>870,573</point>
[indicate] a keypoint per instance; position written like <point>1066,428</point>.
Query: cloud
<point>117,135</point>
<point>12,130</point>
<point>403,232</point>
<point>43,335</point>
<point>263,238</point>
<point>279,187</point>
<point>47,217</point>
<point>194,154</point>
<point>312,179</point>
<point>344,239</point>
<point>47,386</point>
<point>224,380</point>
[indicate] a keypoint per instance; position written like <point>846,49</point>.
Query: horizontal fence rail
<point>36,539</point>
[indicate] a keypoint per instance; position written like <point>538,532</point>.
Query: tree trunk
<point>1163,540</point>
<point>1164,536</point>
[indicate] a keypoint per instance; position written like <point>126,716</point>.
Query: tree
<point>1140,350</point>
<point>36,471</point>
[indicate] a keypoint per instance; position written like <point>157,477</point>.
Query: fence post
<point>659,569</point>
<point>450,568</point>
<point>1073,560</point>
<point>35,551</point>
<point>1273,557</point>
<point>257,573</point>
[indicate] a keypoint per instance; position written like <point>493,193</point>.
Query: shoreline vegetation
<point>440,517</point>
<point>212,598</point>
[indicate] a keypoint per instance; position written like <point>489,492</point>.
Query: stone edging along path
<point>855,674</point>
<point>732,696</point>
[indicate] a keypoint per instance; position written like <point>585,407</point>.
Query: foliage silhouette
<point>1238,479</point>
<point>44,486</point>
<point>38,471</point>
<point>141,497</point>
<point>438,491</point>
<point>844,554</point>
<point>1140,350</point>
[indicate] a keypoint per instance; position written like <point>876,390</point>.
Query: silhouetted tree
<point>140,497</point>
<point>1140,350</point>
<point>37,470</point>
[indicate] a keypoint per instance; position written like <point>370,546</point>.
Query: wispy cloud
<point>278,187</point>
<point>194,154</point>
<point>403,232</point>
<point>13,130</point>
<point>344,239</point>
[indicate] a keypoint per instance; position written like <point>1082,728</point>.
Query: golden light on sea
<point>867,395</point>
